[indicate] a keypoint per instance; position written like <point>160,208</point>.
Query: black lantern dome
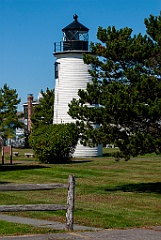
<point>75,36</point>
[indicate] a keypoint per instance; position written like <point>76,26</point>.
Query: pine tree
<point>9,120</point>
<point>126,91</point>
<point>43,112</point>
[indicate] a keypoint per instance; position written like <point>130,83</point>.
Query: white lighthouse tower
<point>71,74</point>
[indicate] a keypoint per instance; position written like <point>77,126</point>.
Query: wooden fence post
<point>10,154</point>
<point>2,155</point>
<point>70,203</point>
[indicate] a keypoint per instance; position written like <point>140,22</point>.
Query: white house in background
<point>71,74</point>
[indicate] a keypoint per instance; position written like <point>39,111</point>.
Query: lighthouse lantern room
<point>75,36</point>
<point>72,74</point>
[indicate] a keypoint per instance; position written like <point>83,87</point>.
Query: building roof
<point>75,25</point>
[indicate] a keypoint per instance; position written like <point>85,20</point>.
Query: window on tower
<point>56,70</point>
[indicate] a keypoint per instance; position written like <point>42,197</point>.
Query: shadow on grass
<point>20,167</point>
<point>154,187</point>
<point>79,161</point>
<point>75,161</point>
<point>4,182</point>
<point>107,154</point>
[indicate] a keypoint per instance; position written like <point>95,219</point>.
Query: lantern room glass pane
<point>75,36</point>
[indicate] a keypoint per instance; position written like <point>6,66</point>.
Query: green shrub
<point>54,143</point>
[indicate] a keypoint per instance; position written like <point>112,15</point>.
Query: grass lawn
<point>8,228</point>
<point>109,194</point>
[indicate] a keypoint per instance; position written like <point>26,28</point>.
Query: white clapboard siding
<point>72,75</point>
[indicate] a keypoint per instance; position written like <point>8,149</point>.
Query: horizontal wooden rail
<point>31,207</point>
<point>28,187</point>
<point>43,207</point>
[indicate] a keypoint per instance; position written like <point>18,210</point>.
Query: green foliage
<point>43,112</point>
<point>9,120</point>
<point>54,143</point>
<point>153,25</point>
<point>126,91</point>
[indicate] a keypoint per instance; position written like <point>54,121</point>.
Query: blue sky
<point>29,28</point>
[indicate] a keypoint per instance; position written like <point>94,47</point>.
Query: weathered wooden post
<point>2,155</point>
<point>70,203</point>
<point>10,154</point>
